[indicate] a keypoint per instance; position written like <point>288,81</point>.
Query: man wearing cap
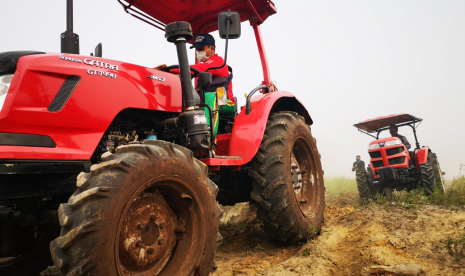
<point>220,92</point>
<point>359,165</point>
<point>393,130</point>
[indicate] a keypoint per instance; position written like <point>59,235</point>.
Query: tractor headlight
<point>393,143</point>
<point>374,146</point>
<point>5,82</point>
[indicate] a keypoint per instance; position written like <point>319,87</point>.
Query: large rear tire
<point>427,177</point>
<point>363,186</point>
<point>438,179</point>
<point>288,179</point>
<point>148,209</point>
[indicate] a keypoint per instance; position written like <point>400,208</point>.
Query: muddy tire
<point>363,186</point>
<point>148,209</point>
<point>438,179</point>
<point>288,180</point>
<point>427,177</point>
<point>35,256</point>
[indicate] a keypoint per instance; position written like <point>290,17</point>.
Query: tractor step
<point>222,160</point>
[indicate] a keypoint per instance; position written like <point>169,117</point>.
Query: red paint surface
<point>203,14</point>
<point>421,156</point>
<point>248,130</point>
<point>79,126</point>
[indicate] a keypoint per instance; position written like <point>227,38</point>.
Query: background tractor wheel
<point>148,209</point>
<point>438,179</point>
<point>288,179</point>
<point>427,177</point>
<point>363,186</point>
<point>35,253</point>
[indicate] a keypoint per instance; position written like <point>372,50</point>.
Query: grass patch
<point>454,197</point>
<point>340,184</point>
<point>456,247</point>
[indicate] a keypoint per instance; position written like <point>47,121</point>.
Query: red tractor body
<point>75,127</point>
<point>393,154</point>
<point>392,165</point>
<point>121,157</point>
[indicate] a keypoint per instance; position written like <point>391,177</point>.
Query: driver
<point>393,130</point>
<point>220,92</point>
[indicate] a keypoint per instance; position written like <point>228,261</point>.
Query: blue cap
<point>203,39</point>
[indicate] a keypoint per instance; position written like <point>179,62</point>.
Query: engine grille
<point>377,164</point>
<point>393,151</point>
<point>397,160</point>
<point>66,89</point>
<point>375,154</point>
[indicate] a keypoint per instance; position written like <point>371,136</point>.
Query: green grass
<point>456,246</point>
<point>454,197</point>
<point>340,184</point>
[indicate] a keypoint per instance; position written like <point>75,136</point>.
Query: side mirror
<point>231,19</point>
<point>205,80</point>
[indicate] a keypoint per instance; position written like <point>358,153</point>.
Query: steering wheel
<point>195,74</point>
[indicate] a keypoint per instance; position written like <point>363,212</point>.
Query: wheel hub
<point>148,235</point>
<point>296,176</point>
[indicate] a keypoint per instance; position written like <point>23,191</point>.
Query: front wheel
<point>288,179</point>
<point>148,209</point>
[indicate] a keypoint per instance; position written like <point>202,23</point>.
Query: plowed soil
<point>352,240</point>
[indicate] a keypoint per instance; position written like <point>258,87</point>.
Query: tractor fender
<point>248,130</point>
<point>421,156</point>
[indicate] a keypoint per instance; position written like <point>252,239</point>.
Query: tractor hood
<point>201,14</point>
<point>380,123</point>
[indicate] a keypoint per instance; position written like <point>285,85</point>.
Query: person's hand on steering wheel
<point>161,67</point>
<point>193,75</point>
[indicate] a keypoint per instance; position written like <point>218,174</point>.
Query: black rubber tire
<point>438,180</point>
<point>427,177</point>
<point>152,200</point>
<point>290,214</point>
<point>36,258</point>
<point>363,186</point>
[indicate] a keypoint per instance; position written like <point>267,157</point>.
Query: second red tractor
<point>392,165</point>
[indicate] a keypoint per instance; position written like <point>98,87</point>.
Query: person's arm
<point>406,143</point>
<point>212,62</point>
<point>353,167</point>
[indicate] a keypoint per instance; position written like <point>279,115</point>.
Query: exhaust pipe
<point>69,40</point>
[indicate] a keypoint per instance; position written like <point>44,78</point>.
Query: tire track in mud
<point>351,241</point>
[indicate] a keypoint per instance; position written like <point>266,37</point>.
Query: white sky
<point>347,61</point>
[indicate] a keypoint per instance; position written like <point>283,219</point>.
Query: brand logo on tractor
<point>100,64</point>
<point>70,59</point>
<point>100,73</point>
<point>156,78</point>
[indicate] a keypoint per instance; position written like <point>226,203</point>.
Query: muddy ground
<point>353,239</point>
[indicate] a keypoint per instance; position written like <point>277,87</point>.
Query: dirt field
<point>353,239</point>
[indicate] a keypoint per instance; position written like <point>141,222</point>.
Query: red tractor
<point>137,141</point>
<point>392,165</point>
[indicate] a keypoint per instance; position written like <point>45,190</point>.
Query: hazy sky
<point>347,61</point>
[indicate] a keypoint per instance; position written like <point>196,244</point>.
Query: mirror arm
<point>229,20</point>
